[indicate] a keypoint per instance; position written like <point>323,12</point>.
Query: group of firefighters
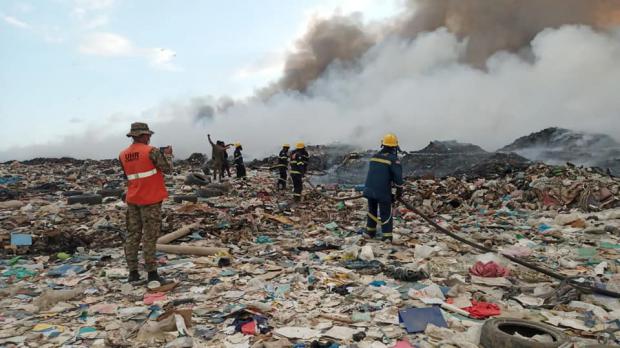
<point>144,167</point>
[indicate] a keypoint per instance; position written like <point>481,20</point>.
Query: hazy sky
<point>71,65</point>
<point>76,73</point>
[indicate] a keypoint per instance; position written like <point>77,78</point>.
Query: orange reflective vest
<point>145,183</point>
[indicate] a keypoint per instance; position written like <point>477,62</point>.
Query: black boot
<point>152,275</point>
<point>134,276</point>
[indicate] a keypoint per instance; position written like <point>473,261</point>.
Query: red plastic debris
<point>150,298</point>
<point>488,270</point>
<point>249,328</point>
<point>482,310</point>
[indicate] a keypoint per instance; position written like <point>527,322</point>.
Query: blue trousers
<point>383,217</point>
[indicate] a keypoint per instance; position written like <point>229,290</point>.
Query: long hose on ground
<point>545,271</point>
<point>337,199</point>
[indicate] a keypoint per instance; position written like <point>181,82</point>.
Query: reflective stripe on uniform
<point>374,218</point>
<point>142,175</point>
<point>381,160</point>
<point>388,220</point>
<point>295,172</point>
<point>297,194</point>
<point>371,229</point>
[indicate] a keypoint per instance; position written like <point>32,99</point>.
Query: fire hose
<point>338,199</point>
<point>568,280</point>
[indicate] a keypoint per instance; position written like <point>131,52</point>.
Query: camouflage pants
<point>143,224</point>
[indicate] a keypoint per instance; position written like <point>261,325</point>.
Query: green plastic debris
<point>607,245</point>
<point>63,256</point>
<point>358,317</point>
<point>19,273</point>
<point>223,225</point>
<point>331,226</point>
<point>87,332</point>
<point>14,260</point>
<point>228,273</point>
<point>340,206</point>
<point>586,253</point>
<point>263,240</point>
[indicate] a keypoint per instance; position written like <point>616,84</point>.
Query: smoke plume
<point>478,71</point>
<point>489,26</point>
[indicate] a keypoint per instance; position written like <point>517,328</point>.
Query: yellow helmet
<point>390,140</point>
<point>300,145</point>
<point>286,145</point>
<point>237,145</point>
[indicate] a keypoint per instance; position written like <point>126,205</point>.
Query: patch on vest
<point>134,156</point>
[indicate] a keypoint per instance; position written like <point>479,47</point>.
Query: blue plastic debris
<point>62,270</point>
<point>416,319</point>
<point>19,239</point>
<point>543,227</point>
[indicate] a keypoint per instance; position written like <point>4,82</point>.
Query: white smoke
<point>418,89</point>
<point>421,91</point>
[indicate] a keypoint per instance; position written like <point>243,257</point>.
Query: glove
<point>399,193</point>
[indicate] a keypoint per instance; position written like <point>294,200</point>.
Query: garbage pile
<point>558,145</point>
<point>439,159</point>
<point>253,269</point>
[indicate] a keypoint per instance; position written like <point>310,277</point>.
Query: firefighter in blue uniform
<point>282,166</point>
<point>384,172</point>
<point>238,160</point>
<point>299,163</point>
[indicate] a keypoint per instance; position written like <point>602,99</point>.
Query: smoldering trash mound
<point>558,145</point>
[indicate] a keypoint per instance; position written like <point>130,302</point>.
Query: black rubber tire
<point>498,333</point>
<point>187,198</point>
<point>196,179</point>
<point>85,199</point>
<point>111,192</point>
<point>219,186</point>
<point>72,193</point>
<point>208,192</point>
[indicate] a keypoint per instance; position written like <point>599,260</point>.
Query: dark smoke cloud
<point>340,38</point>
<point>497,25</point>
<point>489,26</point>
<point>205,109</point>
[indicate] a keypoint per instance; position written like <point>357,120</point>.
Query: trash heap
<point>252,269</point>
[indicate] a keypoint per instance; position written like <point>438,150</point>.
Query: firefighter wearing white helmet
<point>384,172</point>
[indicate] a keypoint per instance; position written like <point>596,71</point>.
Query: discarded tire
<point>219,186</point>
<point>196,179</point>
<point>186,198</point>
<point>85,199</point>
<point>72,193</point>
<point>111,192</point>
<point>501,333</point>
<point>208,192</point>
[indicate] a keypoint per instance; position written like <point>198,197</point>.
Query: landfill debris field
<point>252,268</point>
